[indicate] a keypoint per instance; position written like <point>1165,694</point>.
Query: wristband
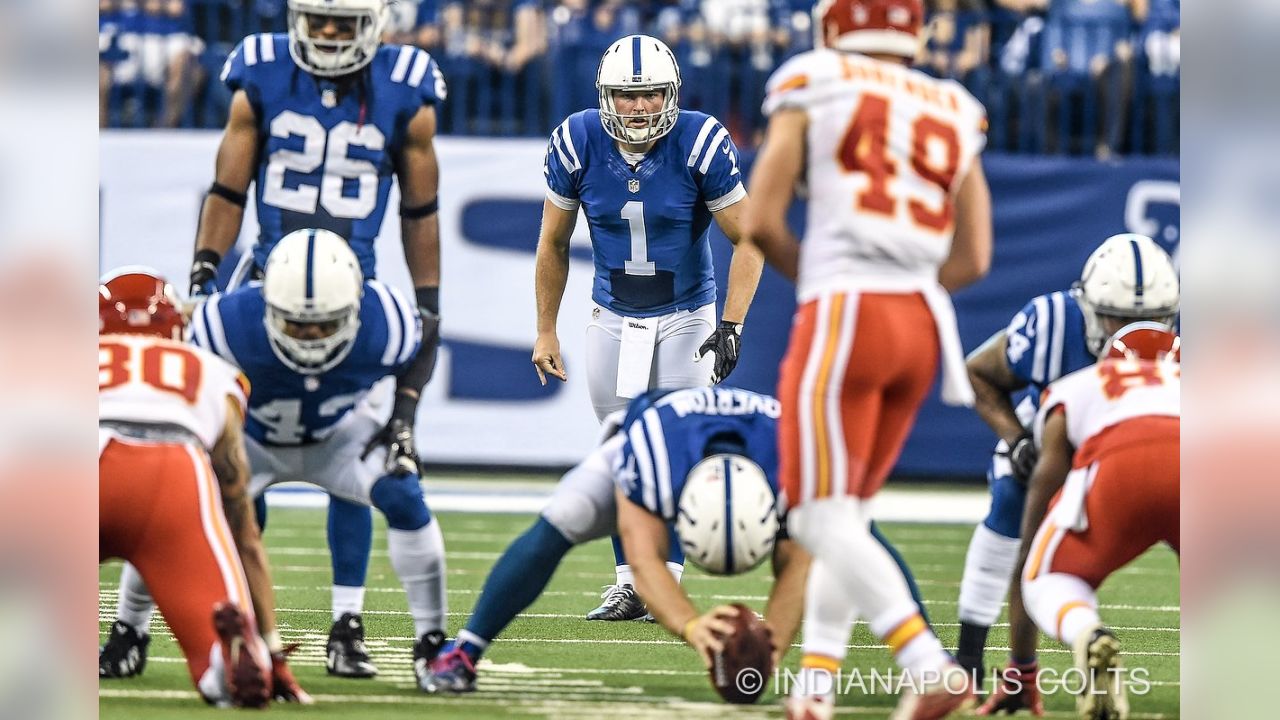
<point>428,299</point>
<point>684,632</point>
<point>207,256</point>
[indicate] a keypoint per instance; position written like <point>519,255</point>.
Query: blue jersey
<point>287,407</point>
<point>326,159</point>
<point>1047,340</point>
<point>648,225</point>
<point>667,432</point>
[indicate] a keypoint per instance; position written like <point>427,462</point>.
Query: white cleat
<point>1097,657</point>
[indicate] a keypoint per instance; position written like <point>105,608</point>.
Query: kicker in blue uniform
<point>647,454</point>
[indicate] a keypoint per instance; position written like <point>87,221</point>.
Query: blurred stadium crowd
<point>1078,77</point>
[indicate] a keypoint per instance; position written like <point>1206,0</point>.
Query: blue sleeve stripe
<point>710,154</point>
<point>412,326</point>
<point>644,465</point>
<point>217,334</point>
<point>1042,340</point>
<point>559,148</point>
<point>661,464</point>
<point>402,64</point>
<point>566,138</point>
<point>268,50</point>
<point>395,330</point>
<point>707,127</point>
<point>1059,332</point>
<point>421,61</point>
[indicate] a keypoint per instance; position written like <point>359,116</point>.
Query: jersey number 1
<point>328,149</point>
<point>865,149</point>
<point>639,264</point>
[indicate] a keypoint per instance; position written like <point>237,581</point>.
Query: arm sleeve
<point>563,168</point>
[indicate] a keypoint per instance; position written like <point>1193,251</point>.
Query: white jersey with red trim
<point>887,149</point>
<point>154,381</point>
<point>1110,392</point>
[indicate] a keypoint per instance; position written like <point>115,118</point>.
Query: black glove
<point>725,341</point>
<point>204,269</point>
<point>397,437</point>
<point>1022,457</point>
<point>429,311</point>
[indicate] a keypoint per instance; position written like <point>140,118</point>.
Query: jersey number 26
<point>330,150</point>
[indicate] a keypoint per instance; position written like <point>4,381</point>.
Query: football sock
<point>988,570</point>
<point>418,559</point>
<point>907,575</point>
<point>471,644</point>
<point>518,578</point>
<point>260,511</point>
<point>675,556</point>
<point>914,646</point>
<point>347,599</point>
<point>135,606</point>
<point>828,615</point>
<point>676,570</point>
<point>350,540</point>
<point>624,576</point>
<point>1061,605</point>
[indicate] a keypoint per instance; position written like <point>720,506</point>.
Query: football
<point>740,672</point>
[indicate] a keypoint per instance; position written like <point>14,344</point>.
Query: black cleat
<point>345,653</point>
<point>425,651</point>
<point>620,603</point>
<point>125,653</point>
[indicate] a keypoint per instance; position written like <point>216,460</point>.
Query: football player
<point>1128,277</point>
<point>173,481</point>
<point>321,344</point>
<point>899,214</point>
<point>1104,490</point>
<point>650,178</point>
<point>663,446</point>
<point>321,119</point>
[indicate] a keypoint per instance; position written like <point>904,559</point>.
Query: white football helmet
<point>728,517</point>
<point>331,58</point>
<point>312,278</point>
<point>638,62</point>
<point>1128,276</point>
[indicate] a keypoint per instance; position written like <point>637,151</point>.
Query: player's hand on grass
<point>546,357</point>
<point>707,632</point>
<point>284,687</point>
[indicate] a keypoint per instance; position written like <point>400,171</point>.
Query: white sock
<point>625,576</point>
<point>466,636</point>
<point>418,559</point>
<point>988,570</point>
<point>677,570</point>
<point>347,599</point>
<point>828,614</point>
<point>914,646</point>
<point>1048,595</point>
<point>811,682</point>
<point>135,606</point>
<point>213,683</point>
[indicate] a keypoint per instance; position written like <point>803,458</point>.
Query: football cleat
<point>1097,655</point>
<point>811,707</point>
<point>124,655</point>
<point>346,655</point>
<point>1015,689</point>
<point>939,699</point>
<point>451,672</point>
<point>424,651</point>
<point>244,657</point>
<point>621,602</point>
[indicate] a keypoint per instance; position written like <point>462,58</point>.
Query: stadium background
<point>1082,102</point>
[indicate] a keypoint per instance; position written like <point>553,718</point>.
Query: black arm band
<point>235,198</point>
<point>425,210</point>
<point>208,255</point>
<point>428,298</point>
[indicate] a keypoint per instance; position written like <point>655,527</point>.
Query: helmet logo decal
<point>1137,271</point>
<point>636,74</point>
<point>311,259</point>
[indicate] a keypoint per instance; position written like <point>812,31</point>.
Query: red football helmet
<point>140,302</point>
<point>869,26</point>
<point>1144,341</point>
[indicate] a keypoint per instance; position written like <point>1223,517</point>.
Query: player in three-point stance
<point>691,460</point>
<point>1104,490</point>
<point>1127,278</point>
<point>174,497</point>
<point>321,119</point>
<point>899,214</point>
<point>650,178</point>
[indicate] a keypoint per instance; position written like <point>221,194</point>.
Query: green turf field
<point>552,663</point>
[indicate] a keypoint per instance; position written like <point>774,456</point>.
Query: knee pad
<point>399,498</point>
<point>574,515</point>
<point>1008,498</point>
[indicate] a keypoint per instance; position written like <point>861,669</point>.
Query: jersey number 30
<point>169,369</point>
<point>328,149</point>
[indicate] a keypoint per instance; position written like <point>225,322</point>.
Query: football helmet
<point>138,301</point>
<point>332,58</point>
<point>892,27</point>
<point>1144,340</point>
<point>312,279</point>
<point>728,518</point>
<point>1128,276</point>
<point>638,62</point>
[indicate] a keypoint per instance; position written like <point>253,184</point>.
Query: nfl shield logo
<point>633,185</point>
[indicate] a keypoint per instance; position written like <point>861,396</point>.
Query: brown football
<point>741,671</point>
